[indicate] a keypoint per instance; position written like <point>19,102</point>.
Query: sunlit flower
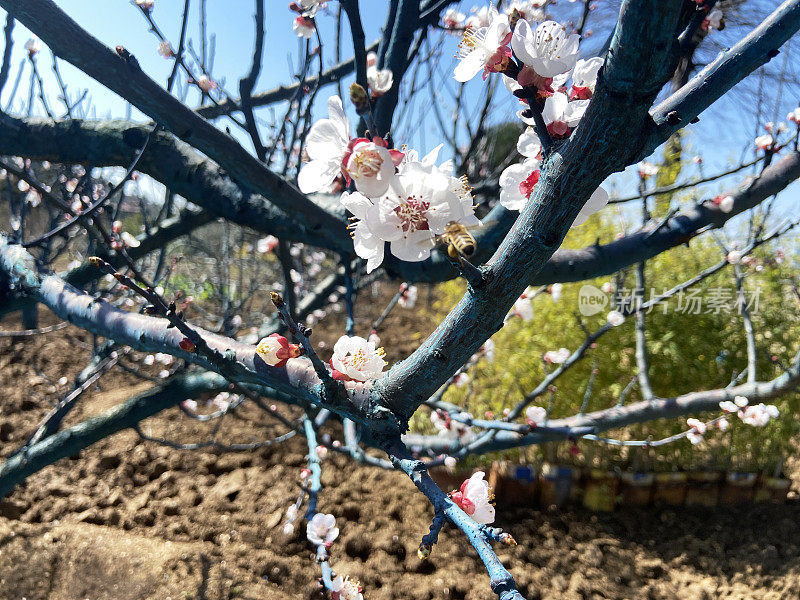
<point>205,83</point>
<point>326,146</point>
<point>303,27</point>
<point>345,589</point>
<point>379,80</point>
<point>723,424</point>
<point>697,431</point>
<point>480,17</point>
<point>33,46</point>
<point>452,18</point>
<point>145,5</point>
<point>647,169</point>
<point>557,357</point>
<point>266,244</point>
<point>758,415</point>
<point>356,359</point>
<point>419,204</point>
<point>562,116</point>
<point>518,180</point>
<point>276,350</point>
<point>523,307</point>
<point>548,49</point>
<point>409,297</point>
<point>763,142</point>
<point>555,291</point>
<point>321,529</point>
<point>725,203</point>
<point>607,287</point>
<point>794,116</point>
<point>450,428</point>
<point>734,257</point>
<point>615,318</point>
<point>535,415</point>
<point>475,497</point>
<point>584,78</point>
<point>165,49</point>
<point>488,350</point>
<point>484,48</point>
<point>529,10</point>
<point>371,166</point>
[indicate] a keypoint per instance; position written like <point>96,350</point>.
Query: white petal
<point>469,66</point>
<point>317,175</point>
<point>597,201</point>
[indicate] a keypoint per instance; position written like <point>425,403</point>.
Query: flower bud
<point>424,551</point>
<point>359,98</point>
<point>187,345</point>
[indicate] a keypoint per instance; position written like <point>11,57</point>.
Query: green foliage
<point>689,350</point>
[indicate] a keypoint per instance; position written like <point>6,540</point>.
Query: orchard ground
<point>133,520</point>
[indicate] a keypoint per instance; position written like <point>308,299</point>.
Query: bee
<point>458,239</point>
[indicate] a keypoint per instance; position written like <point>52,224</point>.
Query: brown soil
<point>133,520</point>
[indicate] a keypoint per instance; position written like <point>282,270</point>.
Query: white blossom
<point>555,291</point>
<point>763,142</point>
<point>584,77</point>
<point>380,80</point>
<point>548,49</point>
<point>421,201</point>
<point>344,588</point>
<point>557,357</point>
<point>450,428</point>
<point>518,180</point>
<point>561,116</point>
<point>409,297</point>
<point>321,529</point>
<point>326,146</point>
<point>33,46</point>
<point>615,318</point>
<point>475,498</point>
<point>734,257</point>
<point>303,27</point>
<point>356,359</point>
<point>484,48</point>
<point>697,431</point>
<point>535,415</point>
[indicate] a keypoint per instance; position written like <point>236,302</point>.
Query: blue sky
<point>720,137</point>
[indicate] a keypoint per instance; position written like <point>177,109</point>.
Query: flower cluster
<point>536,62</point>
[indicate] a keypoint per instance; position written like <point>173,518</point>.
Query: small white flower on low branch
<point>548,49</point>
<point>484,48</point>
<point>450,428</point>
<point>725,203</point>
<point>344,588</point>
<point>584,78</point>
<point>276,350</point>
<point>615,318</point>
<point>555,291</point>
<point>794,116</point>
<point>557,357</point>
<point>205,83</point>
<point>356,359</point>
<point>697,431</point>
<point>734,257</point>
<point>535,416</point>
<point>321,529</point>
<point>409,296</point>
<point>475,498</point>
<point>647,169</point>
<point>523,307</point>
<point>714,20</point>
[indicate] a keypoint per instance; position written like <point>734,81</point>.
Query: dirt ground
<point>128,519</point>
